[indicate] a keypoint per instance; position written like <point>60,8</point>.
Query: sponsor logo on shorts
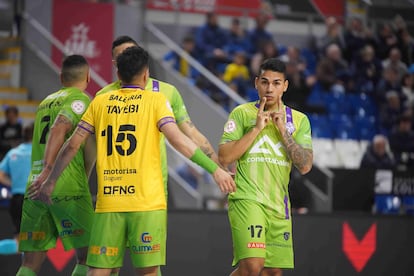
<point>119,190</point>
<point>256,245</point>
<point>147,247</point>
<point>146,237</point>
<point>33,236</point>
<point>286,235</point>
<point>103,250</point>
<point>68,231</point>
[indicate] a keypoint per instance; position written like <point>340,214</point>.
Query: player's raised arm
<point>187,147</point>
<point>231,151</point>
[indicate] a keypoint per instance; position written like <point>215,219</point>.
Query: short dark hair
<point>73,68</point>
<point>121,40</point>
<point>273,64</point>
<point>11,109</point>
<point>131,62</point>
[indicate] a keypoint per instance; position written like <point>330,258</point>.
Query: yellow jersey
<point>127,126</point>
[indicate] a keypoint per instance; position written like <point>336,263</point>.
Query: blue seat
<point>366,127</point>
<point>320,126</point>
<point>342,126</point>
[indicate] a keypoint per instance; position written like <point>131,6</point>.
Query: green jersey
<point>71,103</point>
<point>177,105</point>
<point>263,171</point>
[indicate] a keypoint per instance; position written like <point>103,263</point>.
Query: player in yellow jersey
<point>127,124</point>
<point>177,104</point>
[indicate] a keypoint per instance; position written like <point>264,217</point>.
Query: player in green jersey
<point>133,161</point>
<point>70,216</point>
<point>264,138</point>
<point>177,104</point>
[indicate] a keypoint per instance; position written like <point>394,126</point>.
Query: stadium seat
<point>349,152</point>
<point>365,126</point>
<point>320,126</point>
<point>387,204</point>
<point>325,154</point>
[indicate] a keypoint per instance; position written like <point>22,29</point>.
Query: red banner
<point>223,7</point>
<point>85,29</point>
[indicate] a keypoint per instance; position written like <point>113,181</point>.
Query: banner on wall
<point>223,7</point>
<point>85,29</point>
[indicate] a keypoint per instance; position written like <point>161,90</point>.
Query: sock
<point>114,274</point>
<point>25,271</point>
<point>159,271</point>
<point>80,270</point>
<point>8,246</point>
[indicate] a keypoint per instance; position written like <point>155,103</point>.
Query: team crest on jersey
<point>286,235</point>
<point>230,126</point>
<point>78,107</point>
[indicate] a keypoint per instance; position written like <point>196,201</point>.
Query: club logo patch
<point>230,126</point>
<point>78,107</point>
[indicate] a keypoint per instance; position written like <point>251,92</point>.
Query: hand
<point>263,117</point>
<point>278,116</point>
<point>224,180</point>
<point>46,189</point>
<point>34,188</point>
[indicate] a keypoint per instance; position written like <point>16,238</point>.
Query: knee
<point>251,267</point>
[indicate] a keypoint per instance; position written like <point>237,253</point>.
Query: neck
<point>133,85</point>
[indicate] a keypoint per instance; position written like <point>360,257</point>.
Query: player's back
<point>71,103</point>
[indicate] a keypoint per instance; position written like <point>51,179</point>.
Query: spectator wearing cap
<point>402,142</point>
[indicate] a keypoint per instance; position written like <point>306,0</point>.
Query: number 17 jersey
<point>127,126</point>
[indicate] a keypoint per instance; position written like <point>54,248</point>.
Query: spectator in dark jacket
<point>402,142</point>
<point>377,155</point>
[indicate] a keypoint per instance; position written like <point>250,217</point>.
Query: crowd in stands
<point>354,82</point>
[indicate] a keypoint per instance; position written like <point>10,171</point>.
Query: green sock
<point>159,271</point>
<point>114,274</point>
<point>80,270</point>
<point>25,271</point>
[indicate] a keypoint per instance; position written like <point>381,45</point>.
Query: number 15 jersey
<point>126,124</point>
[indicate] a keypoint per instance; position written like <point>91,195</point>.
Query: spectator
<point>402,143</point>
<point>388,82</point>
<point>366,70</point>
<point>10,131</point>
<point>390,112</point>
<point>332,71</point>
<point>237,41</point>
<point>386,40</point>
<point>210,38</point>
<point>259,34</point>
<point>394,61</point>
<point>180,64</point>
<point>356,37</point>
<point>333,35</point>
<point>267,50</point>
<point>237,74</point>
<point>378,154</point>
<point>14,172</point>
<point>407,84</point>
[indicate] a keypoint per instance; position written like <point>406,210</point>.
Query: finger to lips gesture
<point>278,116</point>
<point>262,116</point>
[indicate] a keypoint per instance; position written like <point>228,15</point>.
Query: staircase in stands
<point>11,91</point>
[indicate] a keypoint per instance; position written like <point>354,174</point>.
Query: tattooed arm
<point>302,158</point>
<point>190,130</point>
<point>65,155</point>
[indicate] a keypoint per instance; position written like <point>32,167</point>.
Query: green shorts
<point>69,218</point>
<point>144,232</point>
<point>257,232</point>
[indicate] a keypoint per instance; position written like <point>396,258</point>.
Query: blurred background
<point>350,65</point>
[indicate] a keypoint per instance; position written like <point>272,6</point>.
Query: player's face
<point>119,49</point>
<point>271,85</point>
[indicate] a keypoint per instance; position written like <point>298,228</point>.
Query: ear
<point>88,77</point>
<point>286,84</point>
<point>256,80</point>
<point>146,76</point>
<point>114,63</point>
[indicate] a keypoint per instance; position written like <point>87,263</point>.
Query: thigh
<point>37,228</point>
<point>248,226</point>
<point>279,244</point>
<point>73,216</point>
<point>108,239</point>
<point>147,234</point>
